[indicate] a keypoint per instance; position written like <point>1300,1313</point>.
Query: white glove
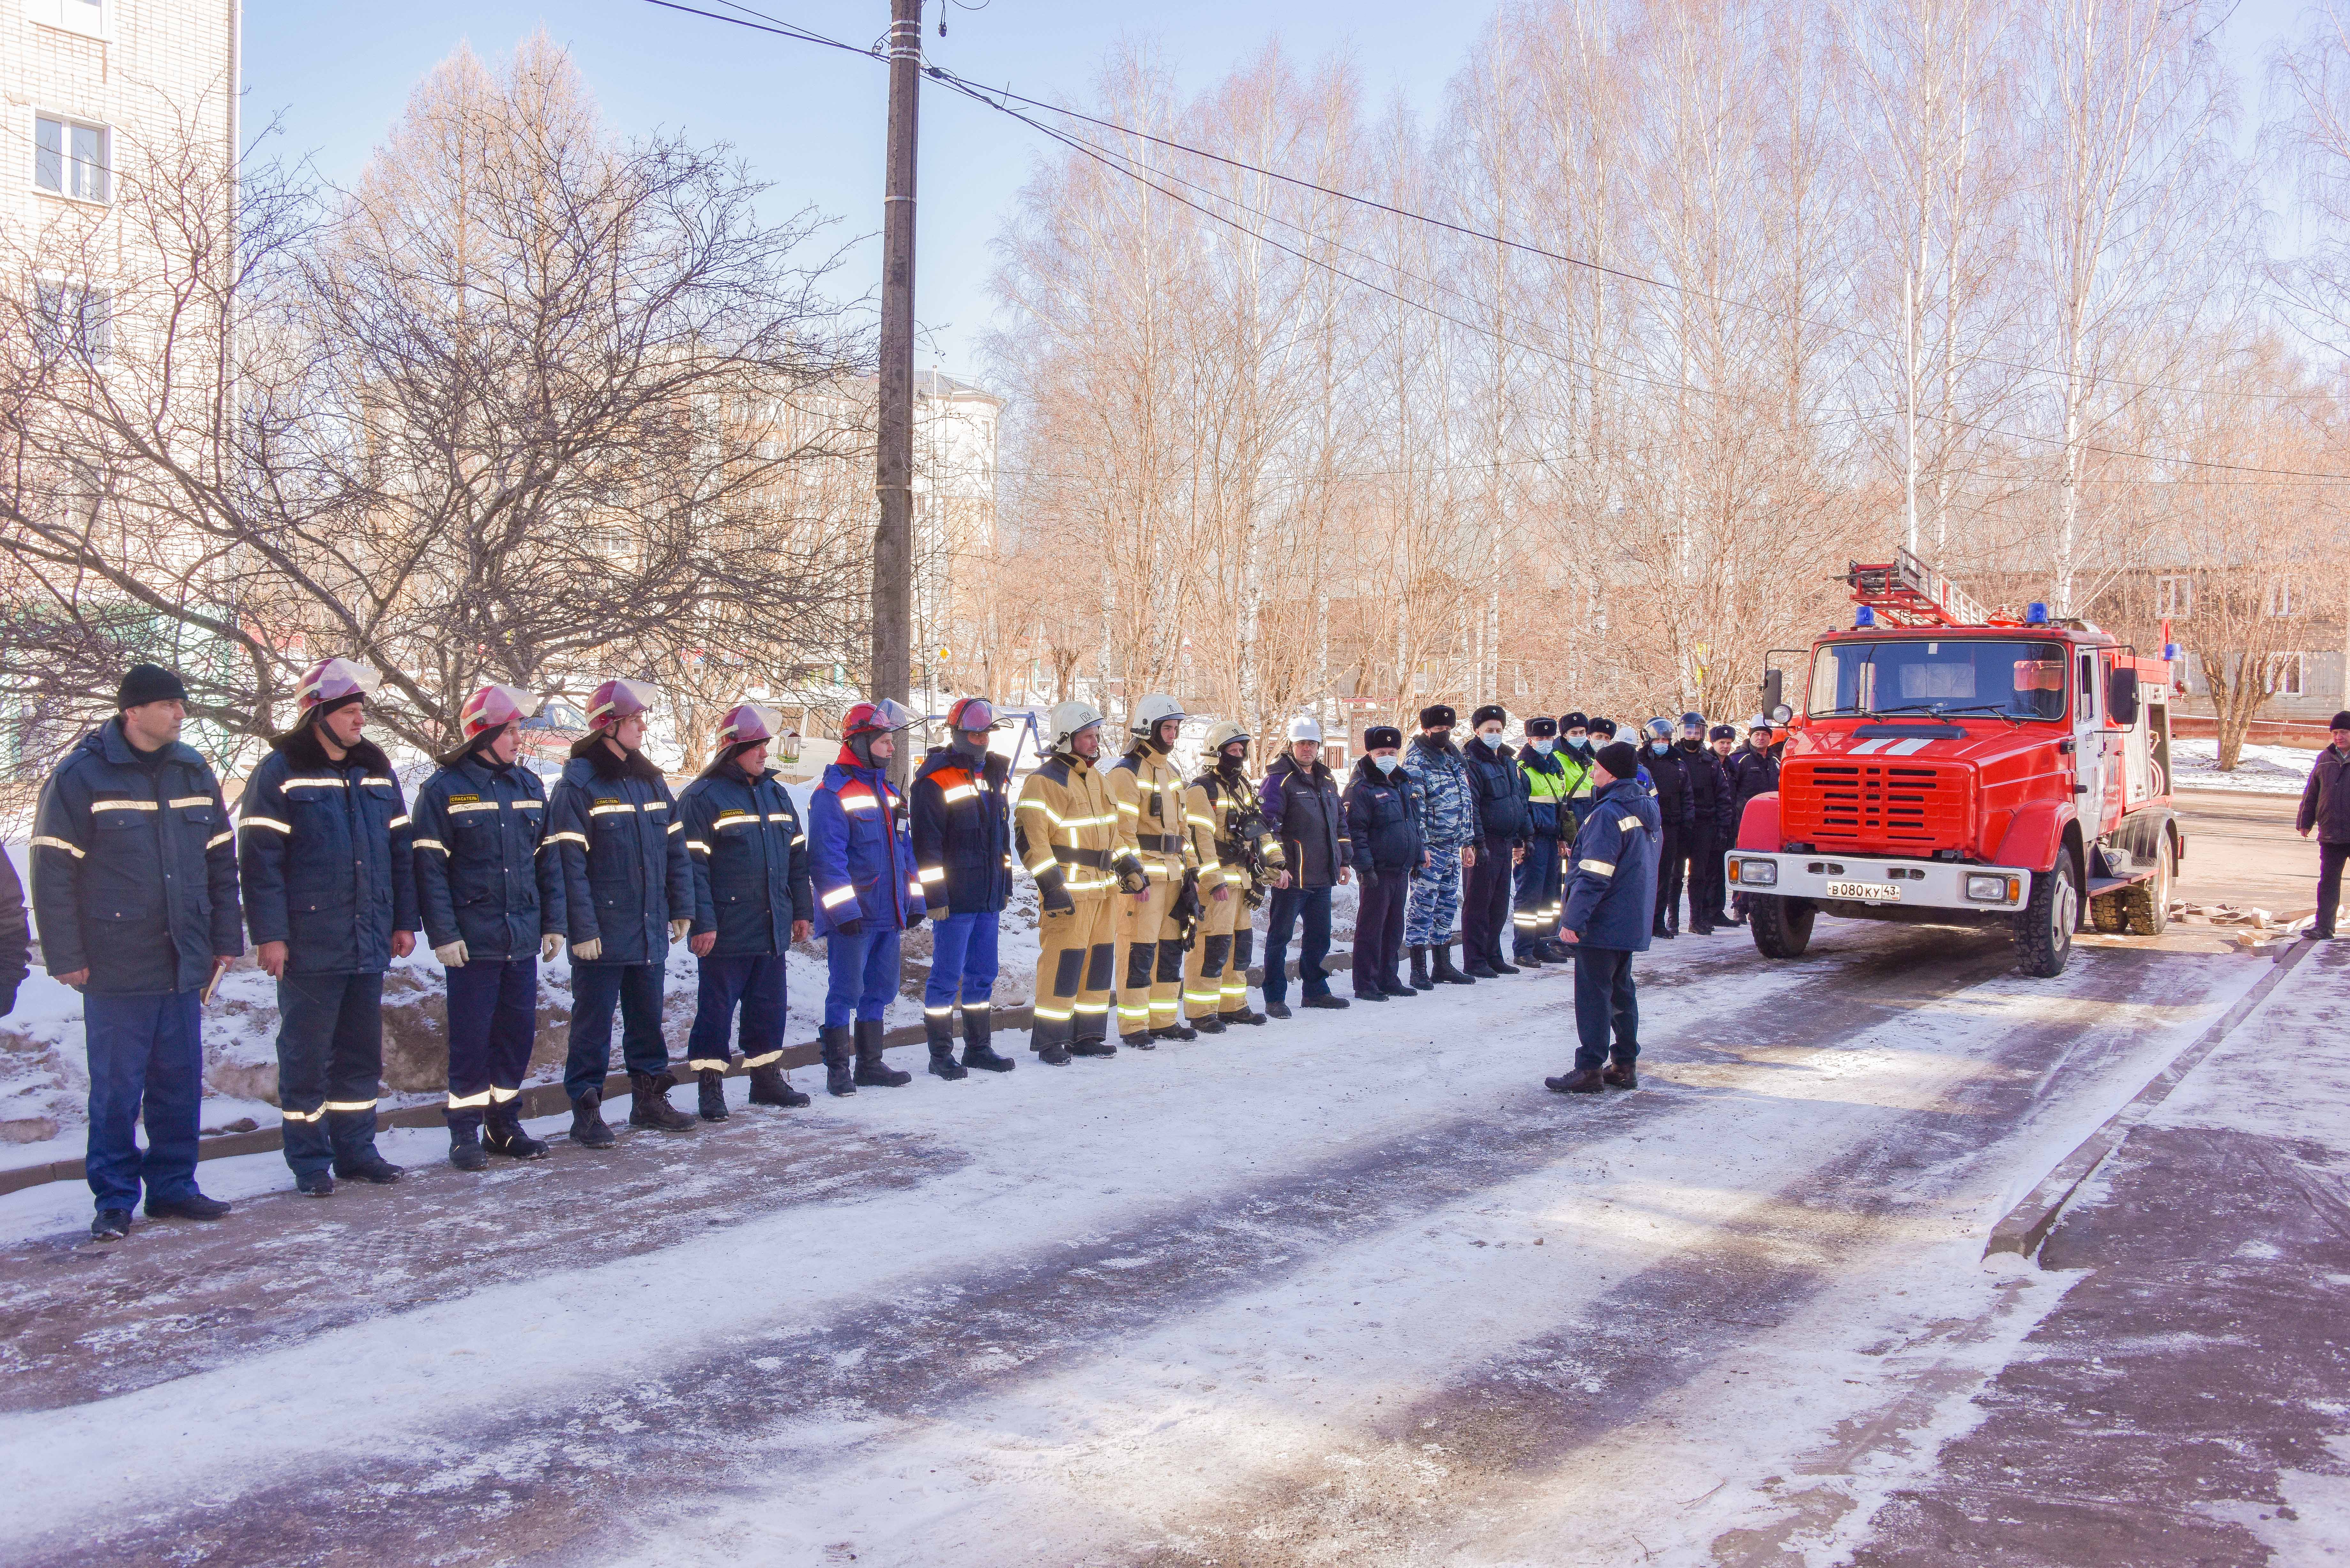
<point>548,946</point>
<point>677,930</point>
<point>584,952</point>
<point>453,955</point>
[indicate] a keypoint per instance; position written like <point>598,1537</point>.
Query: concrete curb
<point>2026,1226</point>
<point>545,1099</point>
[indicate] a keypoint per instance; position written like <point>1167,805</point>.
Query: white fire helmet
<point>1067,718</point>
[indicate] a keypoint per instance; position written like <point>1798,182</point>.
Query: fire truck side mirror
<point>1773,680</point>
<point>2121,697</point>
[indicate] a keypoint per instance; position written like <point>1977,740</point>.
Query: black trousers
<point>596,988</point>
<point>1378,928</point>
<point>1485,906</point>
<point>1705,885</point>
<point>1672,861</point>
<point>1540,880</point>
<point>493,1024</point>
<point>329,1063</point>
<point>1606,1002</point>
<point>2330,858</point>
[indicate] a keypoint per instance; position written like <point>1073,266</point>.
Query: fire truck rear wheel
<point>2146,905</point>
<point>2044,930</point>
<point>1783,927</point>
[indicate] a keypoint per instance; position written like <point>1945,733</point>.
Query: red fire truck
<point>1953,766</point>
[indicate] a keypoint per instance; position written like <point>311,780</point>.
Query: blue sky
<point>809,120</point>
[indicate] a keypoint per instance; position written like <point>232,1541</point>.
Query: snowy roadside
<point>2260,770</point>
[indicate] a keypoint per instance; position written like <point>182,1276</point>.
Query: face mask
<point>1490,737</point>
<point>1543,747</point>
<point>1385,764</point>
<point>1661,746</point>
<point>1575,738</point>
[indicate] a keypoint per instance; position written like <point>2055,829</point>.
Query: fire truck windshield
<point>1939,676</point>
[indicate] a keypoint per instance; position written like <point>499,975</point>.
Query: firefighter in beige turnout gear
<point>1148,790</point>
<point>1064,832</point>
<point>1218,810</point>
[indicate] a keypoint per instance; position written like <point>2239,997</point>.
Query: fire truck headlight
<point>1755,872</point>
<point>1988,889</point>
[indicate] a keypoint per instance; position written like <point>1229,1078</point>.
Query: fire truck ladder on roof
<point>1906,591</point>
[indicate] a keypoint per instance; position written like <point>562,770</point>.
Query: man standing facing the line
<point>962,846</point>
<point>330,894</point>
<point>750,902</point>
<point>1611,901</point>
<point>627,895</point>
<point>1451,833</point>
<point>491,895</point>
<point>2325,811</point>
<point>134,884</point>
<point>1300,800</point>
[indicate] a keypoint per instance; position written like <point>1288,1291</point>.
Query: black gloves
<point>1052,895</point>
<point>848,928</point>
<point>914,917</point>
<point>1131,877</point>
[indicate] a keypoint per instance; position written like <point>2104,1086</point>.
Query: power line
<point>754,20</point>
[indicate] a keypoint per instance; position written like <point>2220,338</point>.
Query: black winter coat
<point>1505,800</point>
<point>15,935</point>
<point>134,871</point>
<point>484,874</point>
<point>1709,789</point>
<point>1676,797</point>
<point>1285,782</point>
<point>1382,820</point>
<point>626,874</point>
<point>1752,772</point>
<point>750,859</point>
<point>324,848</point>
<point>962,808</point>
<point>2326,798</point>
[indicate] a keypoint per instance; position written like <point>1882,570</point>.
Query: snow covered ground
<point>1351,1289</point>
<point>2260,770</point>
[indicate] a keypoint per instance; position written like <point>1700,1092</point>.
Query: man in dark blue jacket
<point>323,846</point>
<point>962,854</point>
<point>1753,770</point>
<point>1677,809</point>
<point>1611,906</point>
<point>627,895</point>
<point>1300,802</point>
<point>1503,803</point>
<point>134,883</point>
<point>751,903</point>
<point>1709,796</point>
<point>16,937</point>
<point>869,894</point>
<point>1383,831</point>
<point>491,894</point>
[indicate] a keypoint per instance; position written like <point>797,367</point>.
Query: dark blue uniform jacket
<point>626,874</point>
<point>1611,899</point>
<point>485,873</point>
<point>750,856</point>
<point>324,849</point>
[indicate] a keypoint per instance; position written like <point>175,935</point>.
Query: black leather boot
<point>1420,981</point>
<point>939,1029</point>
<point>839,1075</point>
<point>649,1104</point>
<point>713,1084</point>
<point>770,1087</point>
<point>466,1146</point>
<point>872,1071</point>
<point>503,1134</point>
<point>1092,1036</point>
<point>1440,966</point>
<point>587,1128</point>
<point>977,1025</point>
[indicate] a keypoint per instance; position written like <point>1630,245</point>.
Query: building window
<point>87,18</point>
<point>71,160</point>
<point>75,320</point>
<point>2174,596</point>
<point>2282,598</point>
<point>2287,674</point>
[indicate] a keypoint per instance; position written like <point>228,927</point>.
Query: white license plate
<point>1873,892</point>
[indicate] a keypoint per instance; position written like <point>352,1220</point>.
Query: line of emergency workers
<point>1147,881</point>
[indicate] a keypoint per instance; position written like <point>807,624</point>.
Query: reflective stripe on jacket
<point>1611,897</point>
<point>861,853</point>
<point>134,871</point>
<point>626,874</point>
<point>1064,828</point>
<point>323,847</point>
<point>963,831</point>
<point>485,873</point>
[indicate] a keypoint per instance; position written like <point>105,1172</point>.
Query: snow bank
<point>2260,770</point>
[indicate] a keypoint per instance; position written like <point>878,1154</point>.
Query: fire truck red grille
<point>1888,808</point>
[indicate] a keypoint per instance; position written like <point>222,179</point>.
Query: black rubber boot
<point>1244,1014</point>
<point>1209,1024</point>
<point>465,1147</point>
<point>977,1025</point>
<point>713,1094</point>
<point>504,1136</point>
<point>1092,1038</point>
<point>770,1087</point>
<point>1528,958</point>
<point>872,1072</point>
<point>1420,981</point>
<point>1480,969</point>
<point>939,1028</point>
<point>839,1075</point>
<point>649,1104</point>
<point>587,1128</point>
<point>1440,966</point>
<point>1503,966</point>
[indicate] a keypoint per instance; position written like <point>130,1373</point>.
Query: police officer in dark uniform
<point>1677,810</point>
<point>330,894</point>
<point>1708,789</point>
<point>492,896</point>
<point>134,884</point>
<point>752,900</point>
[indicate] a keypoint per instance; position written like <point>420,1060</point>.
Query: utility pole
<point>893,540</point>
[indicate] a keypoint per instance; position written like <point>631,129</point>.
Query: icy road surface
<point>1351,1289</point>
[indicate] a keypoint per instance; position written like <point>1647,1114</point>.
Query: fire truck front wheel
<point>2044,927</point>
<point>1783,927</point>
